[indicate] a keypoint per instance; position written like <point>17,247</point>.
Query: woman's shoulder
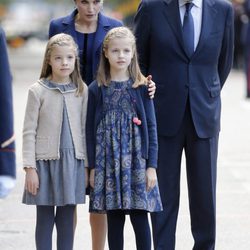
<point>2,34</point>
<point>63,20</point>
<point>110,21</point>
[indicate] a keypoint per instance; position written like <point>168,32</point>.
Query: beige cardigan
<point>43,121</point>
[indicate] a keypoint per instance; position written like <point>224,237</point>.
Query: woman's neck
<point>83,26</point>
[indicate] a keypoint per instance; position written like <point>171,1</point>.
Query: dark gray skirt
<point>61,182</point>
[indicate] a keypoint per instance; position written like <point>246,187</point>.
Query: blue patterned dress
<point>120,170</point>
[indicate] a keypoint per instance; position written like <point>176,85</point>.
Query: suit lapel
<point>172,14</point>
<point>208,18</point>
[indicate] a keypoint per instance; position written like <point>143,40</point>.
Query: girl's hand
<point>86,177</point>
<point>31,181</point>
<point>151,178</point>
<point>151,86</point>
<point>92,178</point>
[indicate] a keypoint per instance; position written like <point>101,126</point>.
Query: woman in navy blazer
<point>88,26</point>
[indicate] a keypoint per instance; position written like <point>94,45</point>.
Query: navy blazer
<point>7,147</point>
<point>178,78</point>
<point>145,112</point>
<point>67,25</point>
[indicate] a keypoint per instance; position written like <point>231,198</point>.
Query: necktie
<point>188,29</point>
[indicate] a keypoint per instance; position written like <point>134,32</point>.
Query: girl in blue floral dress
<point>122,142</point>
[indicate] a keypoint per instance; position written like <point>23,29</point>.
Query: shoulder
<point>3,45</point>
<point>154,3</point>
<point>151,8</point>
<point>37,88</point>
<point>108,21</point>
<point>223,4</point>
<point>2,34</point>
<point>2,38</point>
<point>224,9</point>
<point>57,22</point>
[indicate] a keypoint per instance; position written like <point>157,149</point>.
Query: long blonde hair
<point>63,40</point>
<point>103,73</point>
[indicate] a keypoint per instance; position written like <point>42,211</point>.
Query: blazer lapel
<point>208,18</point>
<point>102,29</point>
<point>69,25</point>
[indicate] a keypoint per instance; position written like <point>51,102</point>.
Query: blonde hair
<point>103,73</point>
<point>63,40</point>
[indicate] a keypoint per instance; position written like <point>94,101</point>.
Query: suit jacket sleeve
<point>226,55</point>
<point>142,34</point>
<point>7,147</point>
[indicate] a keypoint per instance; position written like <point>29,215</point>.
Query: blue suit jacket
<point>7,147</point>
<point>145,112</point>
<point>67,25</point>
<point>200,78</point>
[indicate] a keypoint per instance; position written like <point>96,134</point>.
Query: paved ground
<point>233,190</point>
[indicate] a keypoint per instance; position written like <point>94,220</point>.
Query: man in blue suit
<point>188,49</point>
<point>7,147</point>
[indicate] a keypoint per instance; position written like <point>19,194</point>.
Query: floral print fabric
<point>120,170</point>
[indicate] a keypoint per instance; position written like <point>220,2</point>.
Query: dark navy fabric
<point>63,218</point>
<point>7,153</point>
<point>85,46</point>
<point>188,109</point>
<point>139,221</point>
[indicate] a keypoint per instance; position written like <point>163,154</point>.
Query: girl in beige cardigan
<point>54,146</point>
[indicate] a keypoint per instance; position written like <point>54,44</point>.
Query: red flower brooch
<point>137,121</point>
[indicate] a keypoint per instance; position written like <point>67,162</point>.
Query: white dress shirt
<point>196,12</point>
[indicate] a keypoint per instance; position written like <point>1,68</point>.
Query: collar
<point>102,19</point>
<point>197,3</point>
<point>63,88</point>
